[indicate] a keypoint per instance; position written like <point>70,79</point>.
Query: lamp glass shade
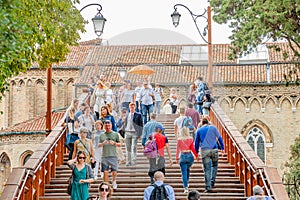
<point>175,18</point>
<point>122,72</point>
<point>99,22</point>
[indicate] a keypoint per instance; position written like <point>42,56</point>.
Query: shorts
<point>109,162</point>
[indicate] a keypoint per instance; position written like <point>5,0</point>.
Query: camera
<point>108,139</point>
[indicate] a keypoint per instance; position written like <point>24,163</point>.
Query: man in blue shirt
<point>207,137</point>
<point>159,180</point>
<point>149,128</point>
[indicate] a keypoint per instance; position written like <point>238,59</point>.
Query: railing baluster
<point>239,153</point>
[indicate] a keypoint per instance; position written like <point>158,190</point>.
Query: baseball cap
<point>159,127</point>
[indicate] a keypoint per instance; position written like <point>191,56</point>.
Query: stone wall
<point>274,109</point>
<point>27,95</point>
<point>14,148</point>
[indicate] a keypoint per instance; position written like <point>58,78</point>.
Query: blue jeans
<point>186,161</point>
<point>146,111</point>
<point>210,157</point>
<point>131,147</point>
<point>199,108</point>
<point>157,107</point>
<point>137,105</point>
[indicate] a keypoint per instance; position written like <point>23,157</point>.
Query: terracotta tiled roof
<point>165,60</point>
<point>135,54</point>
<point>37,124</point>
<point>77,57</point>
<point>179,74</point>
<point>277,56</point>
<point>93,42</point>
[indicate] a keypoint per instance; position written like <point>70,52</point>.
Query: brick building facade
<point>254,96</point>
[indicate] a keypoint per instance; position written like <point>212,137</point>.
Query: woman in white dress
<point>99,97</point>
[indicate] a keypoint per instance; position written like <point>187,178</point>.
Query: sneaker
<point>186,190</point>
<point>213,185</point>
<point>95,178</point>
<point>115,186</point>
<point>101,174</point>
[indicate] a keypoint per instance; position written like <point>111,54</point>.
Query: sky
<point>149,22</point>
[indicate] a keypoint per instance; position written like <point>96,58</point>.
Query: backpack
<point>206,89</point>
<point>150,149</point>
<point>159,192</point>
<point>188,122</point>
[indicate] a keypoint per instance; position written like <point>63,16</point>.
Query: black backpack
<point>159,192</point>
<point>206,88</point>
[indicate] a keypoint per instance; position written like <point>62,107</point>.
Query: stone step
<point>134,179</point>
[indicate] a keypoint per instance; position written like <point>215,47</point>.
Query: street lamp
<point>98,20</point>
<point>122,72</point>
<point>207,30</point>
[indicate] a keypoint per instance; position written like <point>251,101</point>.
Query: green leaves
<point>254,22</point>
<point>35,31</point>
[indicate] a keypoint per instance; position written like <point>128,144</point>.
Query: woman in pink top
<point>186,149</point>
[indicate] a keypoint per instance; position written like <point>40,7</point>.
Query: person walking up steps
<point>186,150</point>
<point>152,193</point>
<point>207,137</point>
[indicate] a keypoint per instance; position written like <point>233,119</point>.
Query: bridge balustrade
<point>29,182</point>
<point>248,166</point>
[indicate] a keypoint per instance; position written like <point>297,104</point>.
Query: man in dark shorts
<point>109,141</point>
<point>158,163</point>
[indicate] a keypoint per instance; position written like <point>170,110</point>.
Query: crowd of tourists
<point>98,130</point>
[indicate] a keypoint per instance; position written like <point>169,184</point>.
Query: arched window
<point>256,140</point>
<point>5,169</point>
<point>25,156</point>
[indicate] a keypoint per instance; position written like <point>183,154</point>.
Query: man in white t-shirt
<point>179,121</point>
<point>137,90</point>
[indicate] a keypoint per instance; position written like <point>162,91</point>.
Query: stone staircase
<point>134,179</point>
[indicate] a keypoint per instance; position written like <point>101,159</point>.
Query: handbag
<point>70,182</point>
<point>206,104</point>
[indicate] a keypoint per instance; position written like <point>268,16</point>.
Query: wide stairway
<point>134,179</point>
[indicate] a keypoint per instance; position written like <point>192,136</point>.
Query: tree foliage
<point>256,21</point>
<point>35,31</point>
<point>293,173</point>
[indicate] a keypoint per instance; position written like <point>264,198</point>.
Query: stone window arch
<point>259,137</point>
<point>5,169</point>
<point>25,156</point>
<point>256,139</point>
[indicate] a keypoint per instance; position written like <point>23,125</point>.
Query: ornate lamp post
<point>122,72</point>
<point>176,18</point>
<point>99,22</point>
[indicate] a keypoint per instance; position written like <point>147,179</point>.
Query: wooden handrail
<point>29,182</point>
<point>248,166</point>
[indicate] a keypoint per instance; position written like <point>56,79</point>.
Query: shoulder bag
<point>93,165</point>
<point>70,182</point>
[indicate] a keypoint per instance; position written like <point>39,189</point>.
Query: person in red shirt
<point>187,152</point>
<point>158,163</point>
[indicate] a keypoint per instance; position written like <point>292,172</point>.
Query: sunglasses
<point>81,157</point>
<point>107,123</point>
<point>102,189</point>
